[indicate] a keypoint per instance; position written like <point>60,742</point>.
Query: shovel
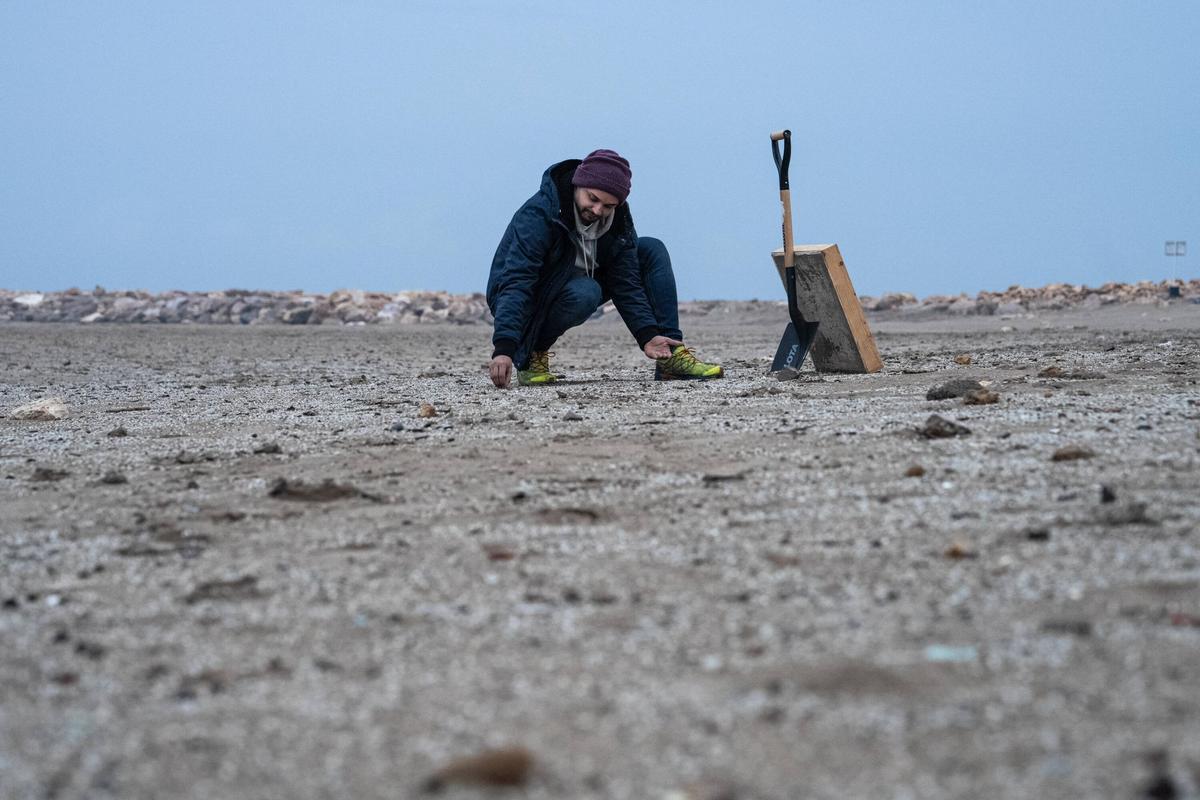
<point>800,333</point>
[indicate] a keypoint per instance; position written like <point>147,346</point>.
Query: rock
<point>118,431</point>
<point>244,588</point>
<point>427,410</point>
<point>959,549</point>
<point>1072,452</point>
<point>963,359</point>
<point>324,492</point>
<point>915,471</point>
<point>571,416</point>
<point>980,397</point>
<point>938,427</point>
<point>1107,494</point>
<point>113,477</point>
<point>268,448</point>
<point>950,389</point>
<point>509,766</point>
<point>46,410</point>
<point>1068,627</point>
<point>48,474</point>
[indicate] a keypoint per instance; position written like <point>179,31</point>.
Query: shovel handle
<point>785,194</point>
<point>782,162</point>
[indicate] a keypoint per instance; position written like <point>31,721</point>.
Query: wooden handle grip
<point>778,136</point>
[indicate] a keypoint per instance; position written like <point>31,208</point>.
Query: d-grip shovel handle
<point>781,163</point>
<point>785,194</point>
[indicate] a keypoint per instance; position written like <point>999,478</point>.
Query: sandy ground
<point>678,590</point>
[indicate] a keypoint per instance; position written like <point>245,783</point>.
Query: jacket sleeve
<point>627,290</point>
<point>517,270</point>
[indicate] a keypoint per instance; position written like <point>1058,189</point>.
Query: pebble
<point>950,389</point>
<point>915,471</point>
<point>938,427</point>
<point>118,431</point>
<point>1072,452</point>
<point>113,477</point>
<point>46,410</point>
<point>980,397</point>
<point>509,766</point>
<point>427,410</point>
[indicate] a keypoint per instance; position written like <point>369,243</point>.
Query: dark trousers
<point>582,295</point>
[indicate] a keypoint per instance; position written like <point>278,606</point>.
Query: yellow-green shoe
<point>684,366</point>
<point>538,372</point>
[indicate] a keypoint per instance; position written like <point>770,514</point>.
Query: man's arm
<point>519,269</point>
<point>629,293</point>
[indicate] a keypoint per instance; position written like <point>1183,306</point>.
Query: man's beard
<point>587,216</point>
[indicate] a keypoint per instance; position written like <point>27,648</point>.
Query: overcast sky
<point>946,146</point>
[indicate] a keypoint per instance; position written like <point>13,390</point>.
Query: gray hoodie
<point>585,243</point>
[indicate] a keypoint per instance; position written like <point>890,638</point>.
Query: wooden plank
<point>825,294</point>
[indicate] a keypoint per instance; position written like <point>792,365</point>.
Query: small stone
<point>1072,452</point>
<point>938,427</point>
<point>426,410</point>
<point>1051,372</point>
<point>963,359</point>
<point>509,766</point>
<point>980,397</point>
<point>1037,534</point>
<point>47,410</point>
<point>113,477</point>
<point>915,471</point>
<point>269,448</point>
<point>118,431</point>
<point>959,549</point>
<point>48,474</point>
<point>1107,494</point>
<point>951,389</point>
<point>571,416</point>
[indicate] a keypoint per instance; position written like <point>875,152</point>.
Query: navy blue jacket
<point>536,258</point>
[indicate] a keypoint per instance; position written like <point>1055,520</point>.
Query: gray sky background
<point>946,146</point>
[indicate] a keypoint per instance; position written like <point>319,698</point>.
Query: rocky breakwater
<point>1022,300</point>
<point>236,306</point>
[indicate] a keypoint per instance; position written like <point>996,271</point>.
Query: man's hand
<point>660,347</point>
<point>501,371</point>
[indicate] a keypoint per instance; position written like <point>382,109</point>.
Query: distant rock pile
<point>1019,299</point>
<point>237,306</point>
<point>356,307</point>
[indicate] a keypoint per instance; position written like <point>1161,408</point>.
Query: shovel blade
<point>794,346</point>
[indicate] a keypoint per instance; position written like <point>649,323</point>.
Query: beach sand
<point>734,589</point>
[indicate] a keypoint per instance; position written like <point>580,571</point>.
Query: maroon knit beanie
<point>606,171</point>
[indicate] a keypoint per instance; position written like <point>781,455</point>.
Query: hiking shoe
<point>684,366</point>
<point>538,372</point>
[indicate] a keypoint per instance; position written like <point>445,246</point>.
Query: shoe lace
<point>683,357</point>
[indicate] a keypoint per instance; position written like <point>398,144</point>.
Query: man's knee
<point>651,250</point>
<point>579,299</point>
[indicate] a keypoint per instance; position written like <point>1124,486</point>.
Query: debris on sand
<point>938,427</point>
<point>981,397</point>
<point>1072,452</point>
<point>1070,375</point>
<point>426,410</point>
<point>962,358</point>
<point>915,471</point>
<point>118,432</point>
<point>113,477</point>
<point>959,549</point>
<point>508,766</point>
<point>46,410</point>
<point>48,474</point>
<point>1131,513</point>
<point>787,374</point>
<point>270,448</point>
<point>951,389</point>
<point>243,588</point>
<point>324,492</point>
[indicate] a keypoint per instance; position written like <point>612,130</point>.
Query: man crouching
<point>570,248</point>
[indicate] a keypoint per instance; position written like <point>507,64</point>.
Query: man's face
<point>594,204</point>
